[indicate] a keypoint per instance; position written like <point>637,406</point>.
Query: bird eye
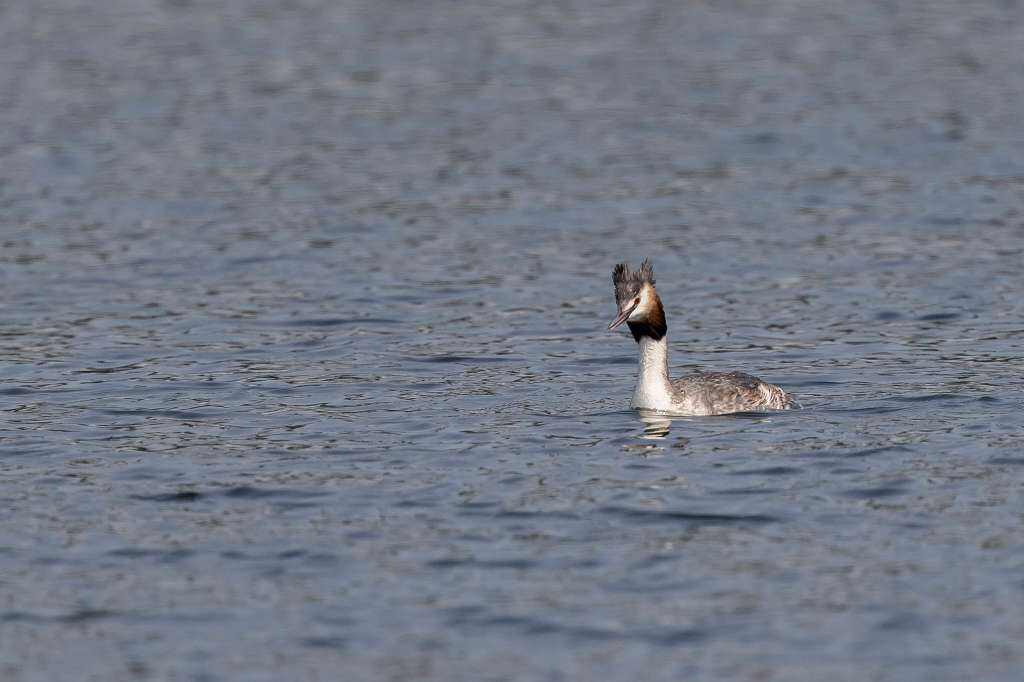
<point>637,300</point>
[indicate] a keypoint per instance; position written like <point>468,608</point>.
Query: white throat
<point>653,391</point>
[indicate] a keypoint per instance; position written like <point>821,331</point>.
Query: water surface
<point>306,369</point>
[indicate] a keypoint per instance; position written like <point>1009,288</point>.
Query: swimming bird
<point>705,393</point>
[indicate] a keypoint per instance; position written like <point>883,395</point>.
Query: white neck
<point>653,391</point>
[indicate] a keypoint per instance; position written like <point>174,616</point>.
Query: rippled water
<point>306,369</point>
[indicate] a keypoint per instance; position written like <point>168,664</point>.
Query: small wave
<point>876,492</point>
<point>663,636</point>
<point>768,471</point>
<point>487,564</point>
<point>180,496</point>
<point>696,518</point>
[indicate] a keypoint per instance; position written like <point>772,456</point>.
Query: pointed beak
<point>623,316</point>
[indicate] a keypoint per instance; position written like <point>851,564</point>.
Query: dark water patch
<point>479,505</point>
<point>16,390</point>
<point>903,622</point>
<point>324,642</point>
<point>889,316</point>
<point>303,555</point>
<point>640,465</point>
<point>876,492</point>
<point>110,370</point>
<point>66,618</point>
<point>170,385</point>
<point>764,138</point>
<point>485,564</point>
<point>414,504</point>
<point>808,382</point>
<point>996,181</point>
<point>361,535</point>
<point>258,260</point>
<point>853,454</point>
<point>1006,461</point>
<point>768,471</point>
<point>753,414</point>
<point>945,221</point>
<point>287,505</point>
<point>687,518</point>
<point>25,452</point>
<point>181,415</point>
<point>174,617</point>
<point>161,555</point>
<point>553,413</point>
<point>938,317</point>
<point>616,360</point>
<point>539,627</point>
<point>332,322</point>
<point>872,410</point>
<point>924,397</point>
<point>335,618</point>
<point>181,496</point>
<point>536,514</point>
<point>868,452</point>
<point>655,560</point>
<point>247,492</point>
<point>470,359</point>
<point>148,473</point>
<point>746,491</point>
<point>645,585</point>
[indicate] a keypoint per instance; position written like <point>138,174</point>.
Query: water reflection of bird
<point>656,426</point>
<point>706,393</point>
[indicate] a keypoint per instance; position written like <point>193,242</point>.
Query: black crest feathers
<point>628,283</point>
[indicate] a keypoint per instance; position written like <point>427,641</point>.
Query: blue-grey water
<point>306,374</point>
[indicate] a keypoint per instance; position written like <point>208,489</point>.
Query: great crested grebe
<point>706,393</point>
